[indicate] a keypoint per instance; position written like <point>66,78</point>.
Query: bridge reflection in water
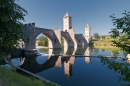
<point>55,59</point>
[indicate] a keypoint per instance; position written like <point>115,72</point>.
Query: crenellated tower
<point>88,33</point>
<point>67,22</point>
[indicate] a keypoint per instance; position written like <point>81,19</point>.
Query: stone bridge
<point>54,37</point>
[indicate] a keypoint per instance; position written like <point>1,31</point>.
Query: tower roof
<point>88,26</point>
<point>67,15</point>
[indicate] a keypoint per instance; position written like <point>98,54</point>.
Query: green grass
<point>104,44</point>
<point>12,78</point>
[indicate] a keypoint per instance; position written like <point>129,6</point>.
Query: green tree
<point>114,33</point>
<point>62,42</point>
<point>11,15</point>
<point>95,50</point>
<point>43,41</point>
<point>103,37</point>
<point>123,27</point>
<point>96,35</point>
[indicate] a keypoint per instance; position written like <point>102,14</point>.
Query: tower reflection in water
<point>55,59</point>
<point>87,53</point>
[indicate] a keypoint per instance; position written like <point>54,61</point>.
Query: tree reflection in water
<point>95,50</point>
<point>122,67</point>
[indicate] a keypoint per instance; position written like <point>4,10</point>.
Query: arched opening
<point>76,40</point>
<point>21,43</point>
<point>64,42</point>
<point>43,42</point>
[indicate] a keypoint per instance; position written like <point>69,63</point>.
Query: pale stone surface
<point>67,22</point>
<point>58,62</point>
<point>88,33</point>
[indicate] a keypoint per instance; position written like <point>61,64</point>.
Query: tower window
<point>65,30</point>
<point>79,40</point>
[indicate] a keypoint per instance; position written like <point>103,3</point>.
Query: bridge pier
<point>56,42</point>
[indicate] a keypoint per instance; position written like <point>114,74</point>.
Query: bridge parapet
<point>29,25</point>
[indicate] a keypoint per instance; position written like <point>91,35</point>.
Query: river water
<point>79,66</point>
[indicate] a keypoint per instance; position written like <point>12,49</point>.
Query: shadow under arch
<point>49,37</point>
<point>65,40</point>
<point>31,64</point>
<point>80,50</point>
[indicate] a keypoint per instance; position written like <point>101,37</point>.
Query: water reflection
<point>68,50</point>
<point>87,53</point>
<point>68,66</point>
<point>33,66</point>
<point>55,59</point>
<point>95,50</point>
<point>120,66</point>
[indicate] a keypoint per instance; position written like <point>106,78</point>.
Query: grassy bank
<point>12,78</point>
<point>104,44</point>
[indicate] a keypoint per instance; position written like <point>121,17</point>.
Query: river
<point>79,66</point>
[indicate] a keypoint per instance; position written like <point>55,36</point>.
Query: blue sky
<point>49,13</point>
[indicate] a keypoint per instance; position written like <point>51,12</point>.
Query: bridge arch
<point>49,37</point>
<point>68,41</point>
<point>65,40</point>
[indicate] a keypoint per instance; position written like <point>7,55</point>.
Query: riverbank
<point>12,78</point>
<point>104,44</point>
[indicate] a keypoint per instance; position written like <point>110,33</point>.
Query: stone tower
<point>88,33</point>
<point>67,22</point>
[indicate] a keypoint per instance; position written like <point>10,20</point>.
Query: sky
<point>49,13</point>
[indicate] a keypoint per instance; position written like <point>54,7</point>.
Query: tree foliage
<point>122,27</point>
<point>103,37</point>
<point>62,42</point>
<point>96,35</point>
<point>43,41</point>
<point>114,33</point>
<point>11,15</point>
<point>121,67</point>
